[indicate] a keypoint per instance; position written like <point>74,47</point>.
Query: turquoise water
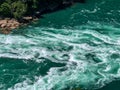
<point>78,47</point>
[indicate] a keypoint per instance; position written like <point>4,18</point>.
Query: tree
<point>18,9</point>
<point>5,9</point>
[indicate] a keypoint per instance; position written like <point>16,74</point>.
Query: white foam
<point>80,68</point>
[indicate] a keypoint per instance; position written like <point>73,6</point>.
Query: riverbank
<point>8,24</point>
<point>75,47</point>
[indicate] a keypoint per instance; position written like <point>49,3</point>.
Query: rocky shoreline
<point>9,24</point>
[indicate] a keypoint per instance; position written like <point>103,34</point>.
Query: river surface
<point>78,47</point>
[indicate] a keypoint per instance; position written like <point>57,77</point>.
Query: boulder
<point>3,25</point>
<point>3,22</point>
<point>28,18</point>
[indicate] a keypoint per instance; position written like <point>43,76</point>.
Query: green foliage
<point>13,8</point>
<point>5,9</point>
<point>18,9</point>
<point>35,2</point>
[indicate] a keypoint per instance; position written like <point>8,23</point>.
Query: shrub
<point>5,9</point>
<point>18,9</point>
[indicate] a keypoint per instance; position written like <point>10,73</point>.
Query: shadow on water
<point>115,85</point>
<point>63,5</point>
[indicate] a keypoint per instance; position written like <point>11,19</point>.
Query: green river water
<point>78,47</point>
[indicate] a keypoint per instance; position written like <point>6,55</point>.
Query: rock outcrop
<point>7,25</point>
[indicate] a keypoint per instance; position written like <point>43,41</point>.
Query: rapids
<point>71,48</point>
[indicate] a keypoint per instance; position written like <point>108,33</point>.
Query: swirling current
<point>78,47</point>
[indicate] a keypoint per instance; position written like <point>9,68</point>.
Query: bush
<point>5,9</point>
<point>18,9</point>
